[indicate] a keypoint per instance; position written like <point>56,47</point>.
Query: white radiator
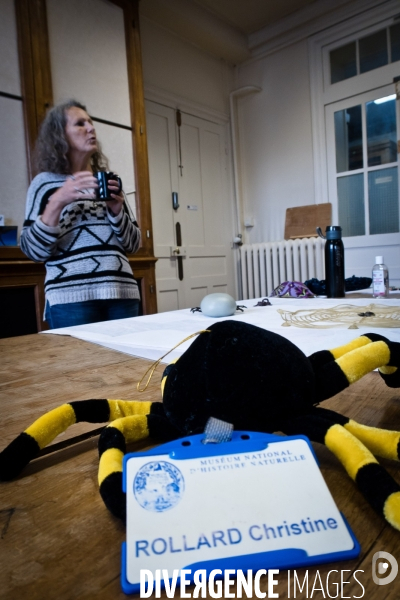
<point>264,266</point>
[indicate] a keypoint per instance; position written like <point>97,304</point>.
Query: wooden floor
<point>57,539</point>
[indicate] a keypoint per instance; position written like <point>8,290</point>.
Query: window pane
<point>373,51</point>
<point>343,62</point>
<point>351,204</point>
<point>395,42</point>
<point>383,201</point>
<point>348,137</point>
<point>381,131</point>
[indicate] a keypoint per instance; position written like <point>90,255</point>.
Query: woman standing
<point>82,239</point>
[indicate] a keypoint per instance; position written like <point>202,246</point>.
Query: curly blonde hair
<point>51,145</point>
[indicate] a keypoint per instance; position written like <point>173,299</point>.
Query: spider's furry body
<point>256,380</point>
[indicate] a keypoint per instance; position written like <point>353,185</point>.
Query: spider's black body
<point>250,377</point>
<point>263,302</point>
<point>242,374</point>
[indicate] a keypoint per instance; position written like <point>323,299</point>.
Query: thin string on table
<point>153,367</point>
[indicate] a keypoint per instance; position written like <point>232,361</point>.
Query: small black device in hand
<point>103,177</point>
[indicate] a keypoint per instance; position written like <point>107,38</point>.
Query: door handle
<point>178,251</point>
<point>179,243</point>
<point>175,203</point>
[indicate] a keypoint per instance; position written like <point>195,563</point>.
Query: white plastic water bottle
<point>380,279</point>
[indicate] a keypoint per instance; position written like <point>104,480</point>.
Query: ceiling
<point>249,16</point>
<point>227,28</point>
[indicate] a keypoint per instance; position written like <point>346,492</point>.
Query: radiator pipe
<point>239,93</point>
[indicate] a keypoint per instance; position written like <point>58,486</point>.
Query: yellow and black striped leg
<point>44,430</point>
<point>347,367</point>
<point>112,447</point>
<point>324,362</point>
<point>322,357</point>
<point>390,373</point>
<point>377,486</point>
<point>381,442</point>
<point>375,483</point>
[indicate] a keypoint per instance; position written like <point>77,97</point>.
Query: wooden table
<point>57,539</point>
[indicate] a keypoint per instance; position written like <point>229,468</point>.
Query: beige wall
<point>275,140</point>
<point>175,67</point>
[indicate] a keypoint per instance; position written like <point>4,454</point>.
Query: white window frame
<point>323,92</point>
<point>361,99</point>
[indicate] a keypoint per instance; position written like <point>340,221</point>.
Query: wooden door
<point>189,160</point>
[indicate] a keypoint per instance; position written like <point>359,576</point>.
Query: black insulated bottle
<point>334,261</point>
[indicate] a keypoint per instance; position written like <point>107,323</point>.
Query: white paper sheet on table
<point>151,336</point>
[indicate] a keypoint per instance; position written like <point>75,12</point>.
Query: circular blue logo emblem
<point>158,486</point>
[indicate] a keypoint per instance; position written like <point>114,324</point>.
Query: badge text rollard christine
<point>232,583</point>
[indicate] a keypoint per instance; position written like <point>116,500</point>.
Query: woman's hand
<point>79,186</point>
<point>75,186</point>
<point>115,205</point>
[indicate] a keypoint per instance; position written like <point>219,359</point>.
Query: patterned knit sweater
<point>85,254</point>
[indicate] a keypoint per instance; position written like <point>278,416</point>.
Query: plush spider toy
<point>254,379</point>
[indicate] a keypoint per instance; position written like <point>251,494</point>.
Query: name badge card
<point>258,501</point>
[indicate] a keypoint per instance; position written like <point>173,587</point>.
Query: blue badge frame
<point>242,441</point>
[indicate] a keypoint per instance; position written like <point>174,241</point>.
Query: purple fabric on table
<point>292,289</point>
